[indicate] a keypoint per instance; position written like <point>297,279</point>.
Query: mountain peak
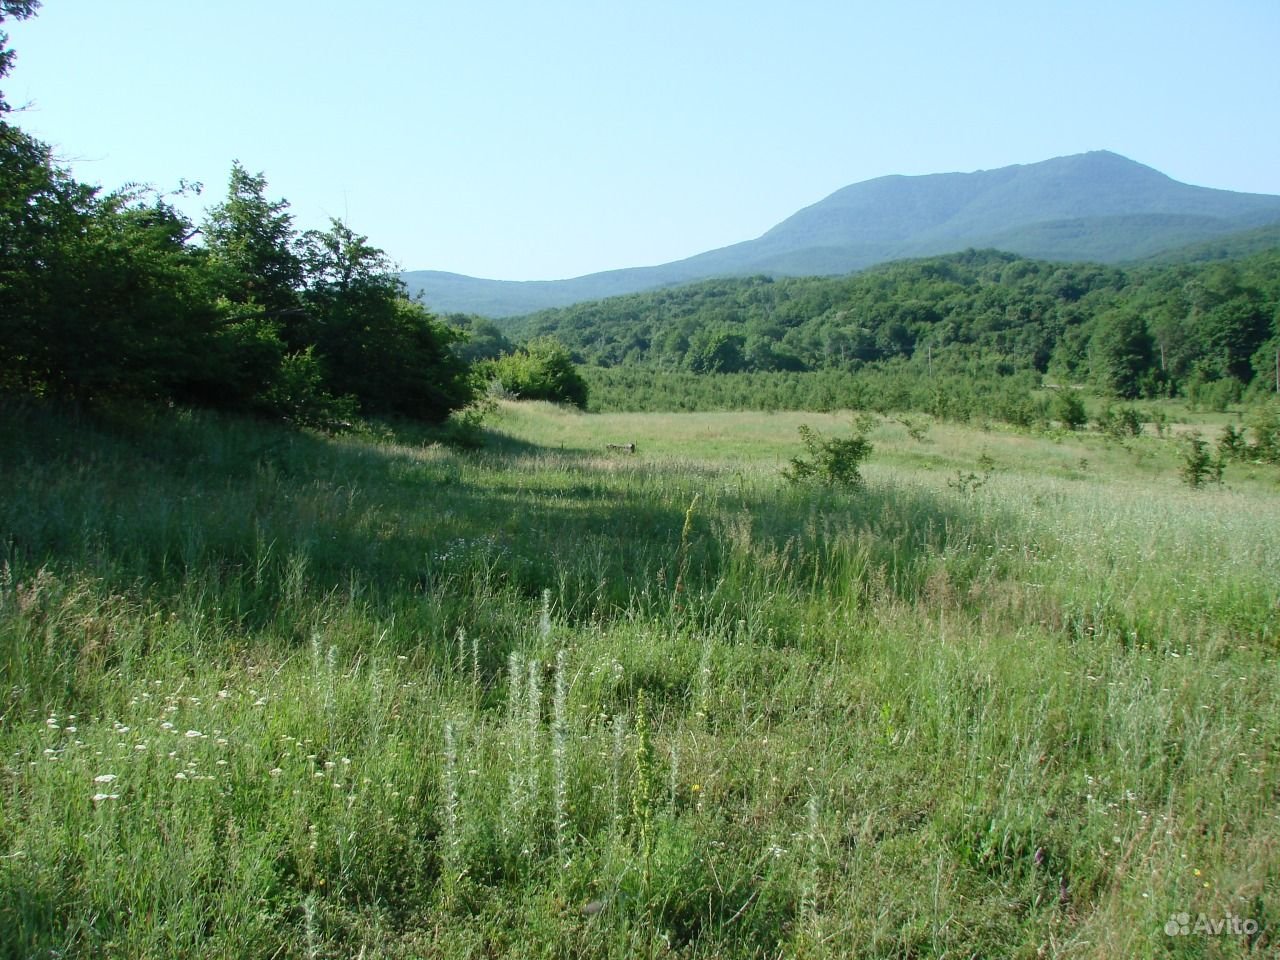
<point>1097,205</point>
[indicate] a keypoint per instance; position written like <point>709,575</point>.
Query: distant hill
<point>1233,246</point>
<point>1095,206</point>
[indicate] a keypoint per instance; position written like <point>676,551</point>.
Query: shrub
<point>1264,424</point>
<point>1121,422</point>
<point>831,462</point>
<point>1197,465</point>
<point>1069,409</point>
<point>1232,444</point>
<point>917,428</point>
<point>299,395</point>
<point>543,370</point>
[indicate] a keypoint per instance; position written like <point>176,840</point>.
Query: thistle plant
<point>516,778</point>
<point>452,845</point>
<point>642,791</point>
<point>544,615</point>
<point>460,639</point>
<point>559,745</point>
<point>615,780</point>
<point>533,729</point>
<point>682,554</point>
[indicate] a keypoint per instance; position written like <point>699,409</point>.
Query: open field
<point>264,693</point>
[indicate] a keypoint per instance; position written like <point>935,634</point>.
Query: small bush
<point>1232,445</point>
<point>543,370</point>
<point>1121,422</point>
<point>831,462</point>
<point>917,427</point>
<point>1069,409</point>
<point>1264,424</point>
<point>299,395</point>
<point>1198,466</point>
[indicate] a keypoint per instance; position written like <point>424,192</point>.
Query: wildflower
<point>99,797</point>
<point>193,734</point>
<point>696,788</point>
<point>276,771</point>
<point>104,778</point>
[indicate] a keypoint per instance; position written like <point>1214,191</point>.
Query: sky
<point>540,141</point>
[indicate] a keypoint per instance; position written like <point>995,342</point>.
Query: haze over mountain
<point>1095,206</point>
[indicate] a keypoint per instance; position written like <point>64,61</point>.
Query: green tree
<point>1069,410</point>
<point>254,251</point>
<point>376,344</point>
<point>100,296</point>
<point>256,277</point>
<point>145,319</point>
<point>44,218</point>
<point>1234,330</point>
<point>1120,352</point>
<point>542,370</point>
<point>715,349</point>
<point>483,339</point>
<point>832,462</point>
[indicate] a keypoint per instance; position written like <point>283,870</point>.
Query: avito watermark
<point>1183,925</point>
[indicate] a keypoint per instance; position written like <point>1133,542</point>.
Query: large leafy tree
<point>44,221</point>
<point>1120,352</point>
<point>256,276</point>
<point>138,299</point>
<point>99,295</point>
<point>375,343</point>
<point>253,248</point>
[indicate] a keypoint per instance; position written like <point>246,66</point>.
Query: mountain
<point>1095,206</point>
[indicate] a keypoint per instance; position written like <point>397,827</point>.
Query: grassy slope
<point>350,696</point>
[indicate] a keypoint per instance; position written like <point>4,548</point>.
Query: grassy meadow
<point>265,693</point>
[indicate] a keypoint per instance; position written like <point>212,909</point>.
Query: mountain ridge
<point>1097,206</point>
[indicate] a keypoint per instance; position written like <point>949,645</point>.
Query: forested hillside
<point>1092,207</point>
<point>1137,331</point>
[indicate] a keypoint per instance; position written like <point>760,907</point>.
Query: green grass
<point>370,696</point>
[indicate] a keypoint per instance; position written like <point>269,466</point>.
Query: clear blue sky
<point>520,140</point>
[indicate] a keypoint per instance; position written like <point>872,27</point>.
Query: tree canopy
<point>1142,330</point>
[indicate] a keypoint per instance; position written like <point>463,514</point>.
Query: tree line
<point>1146,331</point>
<point>110,295</point>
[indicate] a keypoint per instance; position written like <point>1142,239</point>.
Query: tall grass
<point>270,694</point>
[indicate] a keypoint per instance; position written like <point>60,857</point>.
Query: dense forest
<point>1187,328</point>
